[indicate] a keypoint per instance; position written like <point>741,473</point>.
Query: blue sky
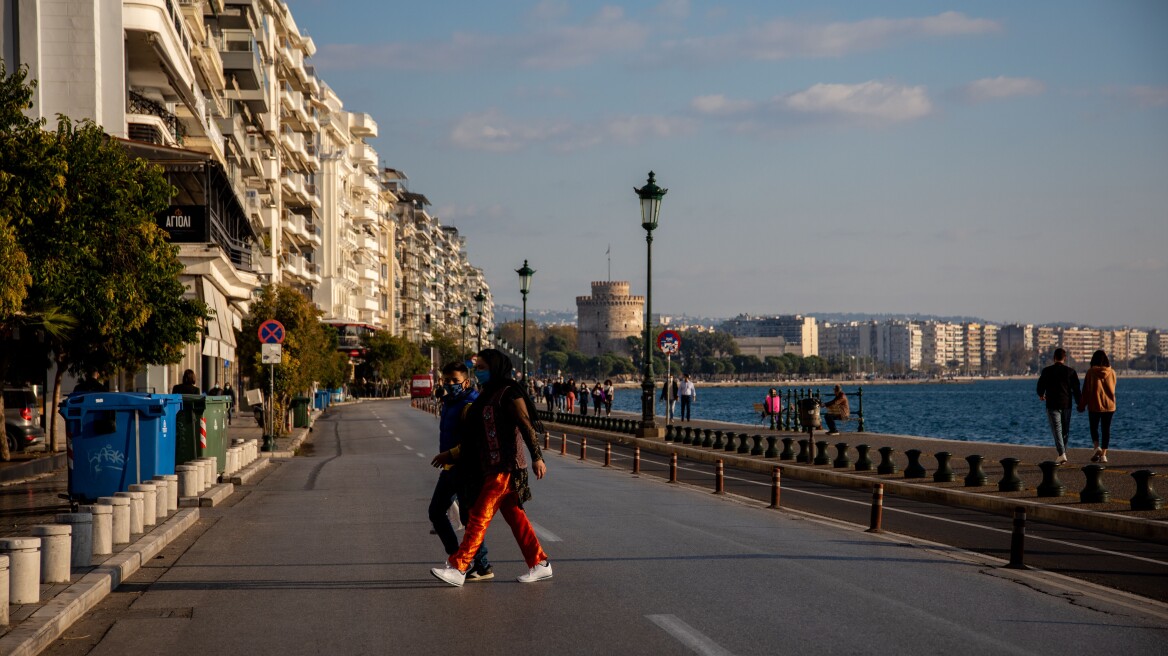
<point>1007,160</point>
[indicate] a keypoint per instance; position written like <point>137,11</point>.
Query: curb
<point>47,624</point>
<point>244,476</point>
<point>1093,520</point>
<point>32,468</point>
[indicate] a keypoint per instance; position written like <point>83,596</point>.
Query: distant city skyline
<point>997,159</point>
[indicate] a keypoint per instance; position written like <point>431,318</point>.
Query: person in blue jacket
<point>453,482</point>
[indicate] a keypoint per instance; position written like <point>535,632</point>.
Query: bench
<point>761,414</point>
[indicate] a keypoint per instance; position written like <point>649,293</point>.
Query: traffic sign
<point>270,353</point>
<point>271,332</point>
<point>668,341</point>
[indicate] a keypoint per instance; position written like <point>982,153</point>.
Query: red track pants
<point>497,496</point>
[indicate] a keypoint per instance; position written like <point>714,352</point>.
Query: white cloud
<point>547,10</point>
<point>996,88</point>
<point>550,47</point>
<point>672,9</point>
<point>785,39</point>
<point>1148,96</point>
<point>493,131</point>
<point>870,100</point>
<point>719,104</point>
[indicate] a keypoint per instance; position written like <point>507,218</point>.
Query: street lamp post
<point>650,196</point>
<point>480,298</point>
<point>463,318</point>
<point>525,274</point>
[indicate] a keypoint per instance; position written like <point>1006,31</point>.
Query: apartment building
<point>795,334</point>
<point>942,345</point>
<point>846,340</point>
<point>899,345</point>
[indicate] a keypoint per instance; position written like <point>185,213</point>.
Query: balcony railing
<point>136,103</point>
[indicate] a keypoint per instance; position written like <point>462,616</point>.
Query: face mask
<point>453,388</point>
<point>483,375</point>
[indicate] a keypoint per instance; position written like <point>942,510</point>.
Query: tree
<point>449,349</point>
<point>395,357</point>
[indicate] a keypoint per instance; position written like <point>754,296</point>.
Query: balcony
<point>314,234</point>
<point>362,125</point>
<point>312,272</point>
<point>241,59</point>
<point>369,243</point>
<point>294,225</point>
<point>363,154</point>
<point>370,273</point>
<point>160,126</point>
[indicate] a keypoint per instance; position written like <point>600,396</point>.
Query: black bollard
<point>771,450</point>
<point>841,456</point>
<point>708,440</point>
<point>863,462</point>
<point>1050,486</point>
<point>718,443</point>
<point>1093,491</point>
<point>976,477</point>
<point>804,454</point>
<point>1018,540</point>
<point>669,433</point>
<point>944,473</point>
<point>743,443</point>
<point>1145,497</point>
<point>1010,482</point>
<point>730,448</point>
<point>687,435</point>
<point>821,457</point>
<point>887,464</point>
<point>756,450</point>
<point>914,468</point>
<point>788,453</point>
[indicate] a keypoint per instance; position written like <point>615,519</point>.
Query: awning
<point>220,339</point>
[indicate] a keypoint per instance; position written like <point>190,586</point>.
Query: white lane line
<point>688,636</point>
<point>408,447</point>
<point>398,439</point>
<point>421,455</point>
<point>544,534</point>
<point>887,508</point>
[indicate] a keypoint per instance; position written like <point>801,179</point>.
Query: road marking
<point>398,439</point>
<point>544,534</point>
<point>688,636</point>
<point>409,448</point>
<point>389,431</point>
<point>421,455</point>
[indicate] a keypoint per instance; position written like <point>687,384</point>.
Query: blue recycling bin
<point>337,395</point>
<point>321,399</point>
<point>117,439</point>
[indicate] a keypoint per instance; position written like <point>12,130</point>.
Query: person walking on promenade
<point>609,396</point>
<point>1058,386</point>
<point>229,392</point>
<point>585,395</point>
<point>455,480</point>
<point>549,395</point>
<point>687,393</point>
<point>837,409</point>
<point>570,396</point>
<point>497,426</point>
<point>1098,399</point>
<point>773,406</point>
<point>597,398</point>
<point>91,383</point>
<point>187,386</point>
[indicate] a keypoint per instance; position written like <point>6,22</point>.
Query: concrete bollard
<point>56,551</point>
<point>944,473</point>
<point>103,528</point>
<point>135,499</point>
<point>149,503</point>
<point>863,462</point>
<point>121,517</point>
<point>914,469</point>
<point>841,456</point>
<point>171,481</point>
<point>1094,491</point>
<point>24,569</point>
<point>81,529</point>
<point>1050,486</point>
<point>788,452</point>
<point>976,477</point>
<point>3,590</point>
<point>887,464</point>
<point>212,471</point>
<point>1011,481</point>
<point>189,478</point>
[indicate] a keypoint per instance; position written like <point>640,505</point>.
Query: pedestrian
<point>229,392</point>
<point>688,394</point>
<point>215,390</point>
<point>91,383</point>
<point>187,386</point>
<point>609,397</point>
<point>1058,386</point>
<point>584,395</point>
<point>837,409</point>
<point>549,395</point>
<point>456,482</point>
<point>1098,399</point>
<point>570,396</point>
<point>669,395</point>
<point>499,424</point>
<point>773,406</point>
<point>597,398</point>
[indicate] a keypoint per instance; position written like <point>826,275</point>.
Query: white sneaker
<point>452,575</point>
<point>1060,460</point>
<point>538,573</point>
<point>1102,458</point>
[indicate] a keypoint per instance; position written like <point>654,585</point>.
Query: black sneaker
<point>481,575</point>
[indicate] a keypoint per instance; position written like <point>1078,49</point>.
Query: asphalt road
<point>329,554</point>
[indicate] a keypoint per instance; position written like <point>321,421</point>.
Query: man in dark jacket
<point>1059,387</point>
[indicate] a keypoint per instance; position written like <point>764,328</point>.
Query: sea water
<point>1000,411</point>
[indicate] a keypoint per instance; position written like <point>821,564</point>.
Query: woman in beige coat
<point>1099,400</point>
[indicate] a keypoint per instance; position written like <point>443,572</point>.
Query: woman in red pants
<point>497,424</point>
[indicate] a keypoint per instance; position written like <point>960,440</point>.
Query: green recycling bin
<point>202,429</point>
<point>300,405</point>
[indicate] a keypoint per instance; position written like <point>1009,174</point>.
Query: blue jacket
<point>448,434</point>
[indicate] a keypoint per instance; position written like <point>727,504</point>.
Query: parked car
<point>22,420</point>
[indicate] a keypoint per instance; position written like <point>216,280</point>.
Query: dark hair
<point>1099,359</point>
<point>189,377</point>
<point>1060,353</point>
<point>498,364</point>
<point>451,368</point>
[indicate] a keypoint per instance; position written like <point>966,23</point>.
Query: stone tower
<point>606,318</point>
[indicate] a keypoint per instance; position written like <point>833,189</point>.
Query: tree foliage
<point>393,357</point>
